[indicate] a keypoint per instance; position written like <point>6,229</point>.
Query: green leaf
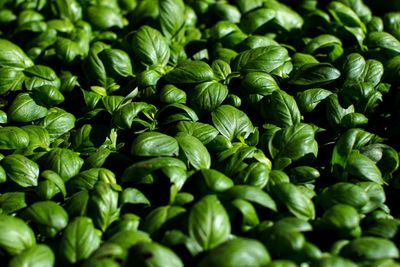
<point>103,17</point>
<point>248,212</point>
<point>251,194</point>
<point>303,174</point>
<point>64,162</point>
<point>12,138</point>
<point>296,201</point>
<point>209,223</point>
<point>293,142</point>
<point>38,136</point>
<point>202,131</point>
<point>159,217</point>
<point>21,170</point>
<point>369,249</point>
<point>50,217</point>
<point>231,122</point>
<point>385,228</point>
<point>79,240</point>
<point>40,75</point>
<point>15,229</point>
<point>128,238</point>
<point>153,254</point>
<point>192,150</point>
<point>13,56</point>
<point>376,195</point>
<point>264,59</point>
<point>126,116</point>
<point>341,218</point>
<point>101,262</point>
<point>363,168</point>
<point>150,47</point>
<point>10,80</point>
<point>237,252</point>
<point>285,16</point>
<point>103,205</point>
<point>171,94</point>
<point>392,23</point>
<point>282,242</point>
<point>171,17</point>
<point>141,169</point>
<point>331,261</point>
<point>385,41</point>
<point>285,111</point>
<point>344,15</point>
<point>24,109</point>
<point>385,157</point>
<point>58,122</point>
<point>36,256</point>
<point>325,42</point>
<point>255,20</point>
<point>314,74</point>
<point>51,180</point>
<point>207,96</point>
<point>189,71</point>
<point>87,179</point>
<point>68,9</point>
<point>154,144</point>
<point>116,62</point>
<point>338,193</point>
<point>216,181</point>
<point>258,83</point>
<point>11,202</point>
<point>133,196</point>
<point>221,69</point>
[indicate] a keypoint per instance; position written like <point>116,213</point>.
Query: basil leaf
<point>154,144</point>
<point>58,122</point>
<point>295,200</point>
<point>293,142</point>
<point>13,56</point>
<point>79,240</point>
<point>286,113</point>
<point>21,170</point>
<point>193,151</point>
<point>171,17</point>
<point>103,205</point>
<point>151,48</point>
<point>24,109</point>
<point>207,96</point>
<point>259,83</point>
<point>10,80</point>
<point>11,202</point>
<point>251,194</point>
<point>38,255</point>
<point>160,255</point>
<point>209,222</point>
<point>369,248</point>
<point>12,138</point>
<point>202,131</point>
<point>231,122</point>
<point>384,41</point>
<point>190,72</point>
<point>63,161</point>
<point>18,231</point>
<point>362,167</point>
<point>50,217</point>
<point>159,217</point>
<point>314,74</point>
<point>265,59</point>
<point>238,251</point>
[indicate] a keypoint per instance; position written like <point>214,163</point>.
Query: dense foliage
<point>201,133</point>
